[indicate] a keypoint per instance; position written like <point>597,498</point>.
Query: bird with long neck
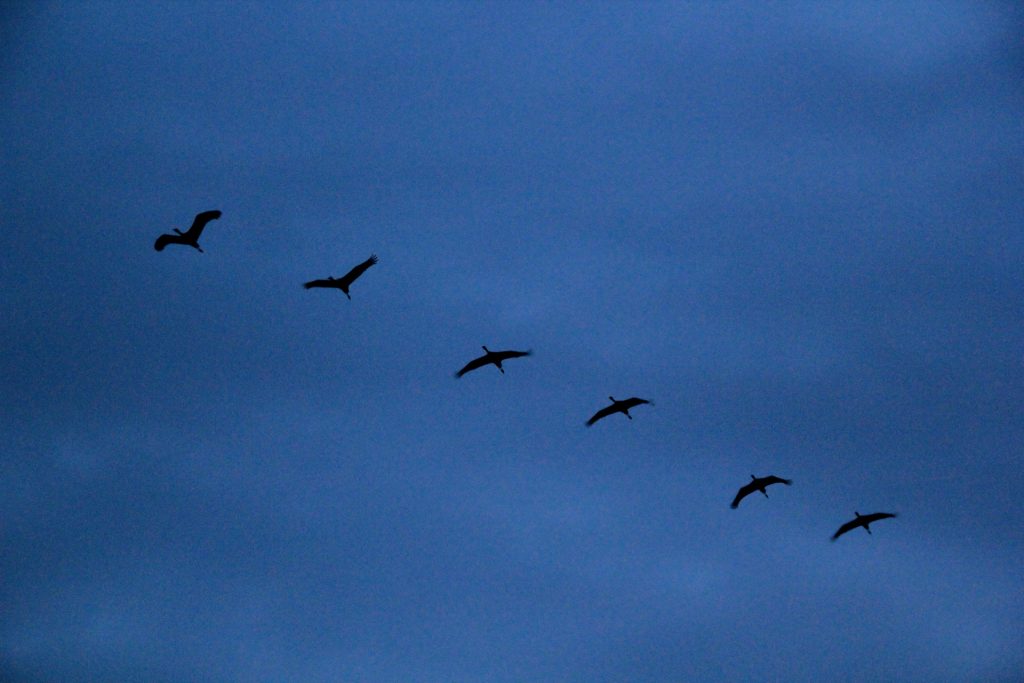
<point>758,484</point>
<point>491,358</point>
<point>622,406</point>
<point>345,281</point>
<point>863,521</point>
<point>190,237</point>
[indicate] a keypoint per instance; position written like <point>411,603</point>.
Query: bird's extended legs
<point>867,528</point>
<point>629,416</point>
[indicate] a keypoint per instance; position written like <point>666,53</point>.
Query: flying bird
<point>346,280</point>
<point>495,357</point>
<point>757,484</point>
<point>861,520</point>
<point>191,236</point>
<point>617,407</point>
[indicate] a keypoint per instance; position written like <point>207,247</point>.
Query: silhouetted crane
<point>757,484</point>
<point>489,356</point>
<point>345,280</point>
<point>617,407</point>
<point>191,236</point>
<point>862,520</point>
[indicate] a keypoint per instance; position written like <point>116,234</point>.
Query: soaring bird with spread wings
<point>757,484</point>
<point>622,406</point>
<point>862,520</point>
<point>346,280</point>
<point>489,357</point>
<point>190,237</point>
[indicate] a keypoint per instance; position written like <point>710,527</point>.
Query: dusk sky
<point>797,228</point>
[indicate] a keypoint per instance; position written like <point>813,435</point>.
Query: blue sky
<point>797,229</point>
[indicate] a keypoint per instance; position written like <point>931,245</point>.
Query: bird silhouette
<point>617,407</point>
<point>757,484</point>
<point>345,280</point>
<point>191,236</point>
<point>495,357</point>
<point>862,520</point>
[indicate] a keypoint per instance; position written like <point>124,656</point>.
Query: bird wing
<point>772,479</point>
<point>744,491</point>
<point>319,283</point>
<point>200,222</point>
<point>603,413</point>
<point>351,275</point>
<point>163,240</point>
<point>505,355</point>
<point>852,524</point>
<point>875,516</point>
<point>473,365</point>
<point>630,402</point>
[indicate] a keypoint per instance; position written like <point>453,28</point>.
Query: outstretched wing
<point>631,402</point>
<point>875,516</point>
<point>351,275</point>
<point>601,414</point>
<point>163,240</point>
<point>505,355</point>
<point>473,365</point>
<point>743,493</point>
<point>772,479</point>
<point>319,283</point>
<point>852,524</point>
<point>200,222</point>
